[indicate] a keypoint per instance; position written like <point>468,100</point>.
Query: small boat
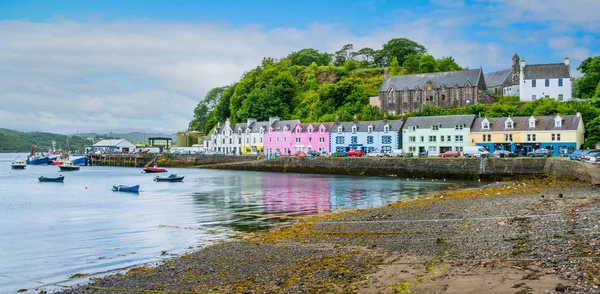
<point>58,179</point>
<point>18,164</point>
<point>124,188</point>
<point>155,169</point>
<point>68,166</point>
<point>170,178</point>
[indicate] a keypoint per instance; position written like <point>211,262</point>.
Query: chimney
<point>355,119</point>
<point>578,114</point>
<point>250,121</point>
<point>337,119</point>
<point>385,117</point>
<point>567,60</point>
<point>386,72</point>
<point>227,122</point>
<point>523,62</point>
<point>218,124</point>
<point>273,119</point>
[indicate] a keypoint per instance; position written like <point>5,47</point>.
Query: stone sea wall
<point>200,160</point>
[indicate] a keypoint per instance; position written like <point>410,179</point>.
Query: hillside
<point>13,141</point>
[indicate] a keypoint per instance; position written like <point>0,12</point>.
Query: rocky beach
<point>526,236</point>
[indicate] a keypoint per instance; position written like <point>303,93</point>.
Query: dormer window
<point>509,124</point>
<point>386,128</point>
<point>412,128</point>
<point>485,124</point>
<point>297,130</point>
<point>310,130</point>
<point>262,131</point>
<point>339,130</point>
<point>532,122</point>
<point>321,130</point>
<point>558,122</point>
<point>435,127</point>
<point>370,129</point>
<point>354,129</point>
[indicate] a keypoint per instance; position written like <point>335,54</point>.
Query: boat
<point>77,160</point>
<point>155,169</point>
<point>58,179</point>
<point>170,178</point>
<point>18,164</point>
<point>124,188</point>
<point>68,166</point>
<point>36,159</point>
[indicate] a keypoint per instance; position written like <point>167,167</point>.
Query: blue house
<point>368,136</point>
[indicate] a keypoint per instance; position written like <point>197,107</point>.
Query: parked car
<point>592,157</point>
<point>396,153</point>
<point>300,154</point>
<point>338,154</point>
<point>585,153</point>
<point>358,153</point>
<point>539,153</point>
<point>313,153</point>
<point>375,154</point>
<point>504,153</point>
<point>449,153</point>
<point>575,155</point>
<point>475,151</point>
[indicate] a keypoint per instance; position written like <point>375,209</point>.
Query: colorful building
<point>225,140</point>
<point>560,134</point>
<point>311,136</point>
<point>368,136</point>
<point>278,138</point>
<point>251,135</point>
<point>433,135</point>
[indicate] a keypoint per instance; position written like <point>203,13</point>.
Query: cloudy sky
<point>143,65</point>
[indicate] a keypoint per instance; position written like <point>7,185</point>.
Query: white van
<point>475,151</point>
<point>396,153</point>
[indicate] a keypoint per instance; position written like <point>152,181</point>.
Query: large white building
<point>545,81</point>
<point>436,134</point>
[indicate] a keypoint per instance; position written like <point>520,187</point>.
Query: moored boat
<point>18,164</point>
<point>170,178</point>
<point>155,169</point>
<point>68,166</point>
<point>58,179</point>
<point>125,188</point>
<point>36,159</point>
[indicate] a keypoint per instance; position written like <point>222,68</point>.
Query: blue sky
<point>94,55</point>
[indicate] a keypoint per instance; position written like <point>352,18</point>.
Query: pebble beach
<point>526,236</point>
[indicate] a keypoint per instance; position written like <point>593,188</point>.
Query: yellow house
<point>251,136</point>
<point>560,134</point>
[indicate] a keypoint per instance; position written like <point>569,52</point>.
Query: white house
<point>225,139</point>
<point>545,81</point>
<point>114,145</point>
<point>436,134</point>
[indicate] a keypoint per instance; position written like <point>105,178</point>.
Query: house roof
<point>546,71</point>
<point>497,78</point>
<point>255,126</point>
<point>449,79</point>
<point>113,142</point>
<point>278,125</point>
<point>448,121</point>
<point>363,126</point>
<point>521,123</point>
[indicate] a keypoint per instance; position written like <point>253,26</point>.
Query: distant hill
<point>13,141</point>
<point>133,137</point>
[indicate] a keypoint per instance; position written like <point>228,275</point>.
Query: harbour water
<point>50,232</point>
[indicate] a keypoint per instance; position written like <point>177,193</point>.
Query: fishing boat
<point>155,169</point>
<point>124,188</point>
<point>18,164</point>
<point>58,179</point>
<point>77,160</point>
<point>68,166</point>
<point>170,178</point>
<point>36,159</point>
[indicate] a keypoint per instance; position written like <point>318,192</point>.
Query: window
<point>297,130</point>
<point>533,97</point>
<point>253,140</point>
<point>277,139</point>
<point>459,148</point>
<point>422,138</point>
<point>321,139</point>
<point>354,140</point>
<point>339,140</point>
<point>354,129</point>
<point>486,126</point>
<point>555,137</point>
<point>560,97</point>
<point>386,128</point>
<point>310,130</point>
<point>247,140</point>
<point>442,138</point>
<point>547,82</point>
<point>230,141</point>
<point>489,138</point>
<point>508,124</point>
<point>458,127</point>
<point>458,138</point>
<point>532,123</point>
<point>370,129</point>
<point>239,140</point>
<point>386,139</point>
<point>449,138</point>
<point>339,129</point>
<point>533,83</point>
<point>390,97</point>
<point>416,96</point>
<point>444,95</point>
<point>412,139</point>
<point>508,137</point>
<point>406,96</point>
<point>432,138</point>
<point>261,139</point>
<point>557,122</point>
<point>531,137</point>
<point>270,140</point>
<point>309,139</point>
<point>429,96</point>
<point>435,127</point>
<point>483,138</point>
<point>321,130</point>
<point>560,82</point>
<point>412,149</point>
<point>370,140</point>
<point>455,94</point>
<point>297,140</point>
<point>412,128</point>
<point>432,149</point>
<point>284,139</point>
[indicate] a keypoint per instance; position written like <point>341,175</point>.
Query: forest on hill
<point>13,141</point>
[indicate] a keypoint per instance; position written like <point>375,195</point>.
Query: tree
<point>201,116</point>
<point>588,85</point>
<point>427,64</point>
<point>343,54</point>
<point>448,64</point>
<point>365,54</point>
<point>307,56</point>
<point>593,130</point>
<point>411,63</point>
<point>212,96</point>
<point>400,48</point>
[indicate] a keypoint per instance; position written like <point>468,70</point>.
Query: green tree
<point>343,54</point>
<point>447,64</point>
<point>427,64</point>
<point>365,54</point>
<point>411,63</point>
<point>201,116</point>
<point>400,48</point>
<point>588,85</point>
<point>593,131</point>
<point>307,56</point>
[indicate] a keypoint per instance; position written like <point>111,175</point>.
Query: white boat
<point>68,166</point>
<point>18,164</point>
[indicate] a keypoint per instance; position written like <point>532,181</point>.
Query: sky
<point>143,65</point>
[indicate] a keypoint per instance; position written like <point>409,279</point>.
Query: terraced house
<point>252,135</point>
<point>561,134</point>
<point>381,135</point>
<point>311,137</point>
<point>408,93</point>
<point>433,135</point>
<point>278,139</point>
<point>225,139</point>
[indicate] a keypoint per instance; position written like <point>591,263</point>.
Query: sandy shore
<point>510,237</point>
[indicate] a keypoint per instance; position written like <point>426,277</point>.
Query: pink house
<point>311,136</point>
<point>278,136</point>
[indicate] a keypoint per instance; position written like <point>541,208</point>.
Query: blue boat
<point>170,178</point>
<point>124,188</point>
<point>78,160</point>
<point>59,179</point>
<point>36,159</point>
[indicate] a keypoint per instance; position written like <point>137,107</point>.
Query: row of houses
<point>431,134</point>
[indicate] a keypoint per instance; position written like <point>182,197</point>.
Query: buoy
<point>86,188</point>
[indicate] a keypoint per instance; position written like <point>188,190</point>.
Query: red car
<point>449,154</point>
<point>358,153</point>
<point>300,154</point>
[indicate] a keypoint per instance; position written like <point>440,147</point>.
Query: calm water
<point>50,231</point>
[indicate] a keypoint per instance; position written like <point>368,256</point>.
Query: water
<point>51,231</point>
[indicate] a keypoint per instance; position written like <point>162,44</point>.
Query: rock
<point>560,195</point>
<point>543,196</point>
<point>559,287</point>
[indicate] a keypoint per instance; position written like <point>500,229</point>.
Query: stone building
<point>408,93</point>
